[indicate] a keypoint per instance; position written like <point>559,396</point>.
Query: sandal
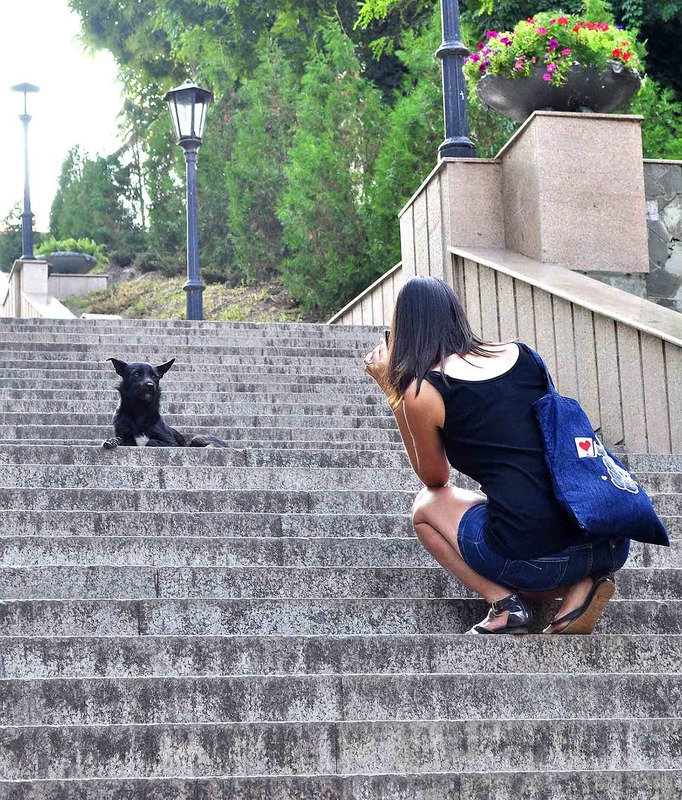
<point>585,618</point>
<point>518,621</point>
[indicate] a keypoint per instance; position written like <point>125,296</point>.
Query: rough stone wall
<point>663,186</point>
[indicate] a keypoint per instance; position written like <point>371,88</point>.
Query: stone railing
<point>619,355</point>
<point>27,294</point>
<point>375,305</point>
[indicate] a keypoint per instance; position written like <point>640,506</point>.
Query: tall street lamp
<point>452,53</point>
<point>26,216</point>
<point>188,104</point>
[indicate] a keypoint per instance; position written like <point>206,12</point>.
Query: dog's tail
<point>207,441</point>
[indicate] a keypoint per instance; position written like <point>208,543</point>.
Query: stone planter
<point>69,263</point>
<point>586,89</point>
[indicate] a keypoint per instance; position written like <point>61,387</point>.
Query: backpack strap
<point>543,367</point>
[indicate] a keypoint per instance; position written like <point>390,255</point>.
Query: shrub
<point>87,246</point>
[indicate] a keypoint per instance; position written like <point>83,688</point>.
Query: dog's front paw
<point>110,444</point>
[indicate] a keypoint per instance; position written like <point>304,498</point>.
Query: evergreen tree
<point>264,125</point>
<point>339,125</point>
<point>91,201</point>
<point>11,243</point>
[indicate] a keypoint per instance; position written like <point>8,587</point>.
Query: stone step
<point>259,380</point>
<point>652,462</point>
<point>217,525</point>
<point>133,655</point>
<point>301,616</point>
<point>287,582</point>
<point>210,362</point>
<point>192,328</point>
<point>162,457</point>
<point>150,476</point>
<point>250,445</point>
<point>172,500</point>
<point>316,429</point>
<point>236,420</point>
<point>276,394</point>
<point>263,501</point>
<point>212,524</point>
<point>182,343</point>
<point>193,355</point>
<point>330,698</point>
<point>568,785</point>
<point>249,405</point>
<point>199,477</point>
<point>327,747</point>
<point>261,551</point>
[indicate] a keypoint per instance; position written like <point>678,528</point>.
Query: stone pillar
<point>573,187</point>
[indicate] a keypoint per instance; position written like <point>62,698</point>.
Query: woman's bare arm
<point>419,419</point>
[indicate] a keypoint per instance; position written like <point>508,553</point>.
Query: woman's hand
<point>376,365</point>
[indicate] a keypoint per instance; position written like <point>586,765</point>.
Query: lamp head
<point>26,89</point>
<point>187,104</point>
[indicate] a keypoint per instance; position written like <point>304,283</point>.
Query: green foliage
<point>91,201</point>
<point>86,246</point>
<point>330,164</point>
<point>662,124</point>
<point>10,238</point>
<point>264,121</point>
<point>409,147</point>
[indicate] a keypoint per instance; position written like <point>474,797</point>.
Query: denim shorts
<point>535,574</point>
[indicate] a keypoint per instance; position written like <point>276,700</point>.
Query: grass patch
<point>155,297</point>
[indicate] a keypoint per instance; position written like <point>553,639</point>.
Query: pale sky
<point>78,102</point>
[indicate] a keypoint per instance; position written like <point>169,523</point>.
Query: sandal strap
<point>578,612</point>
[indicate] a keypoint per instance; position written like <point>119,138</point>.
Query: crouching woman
<point>466,403</point>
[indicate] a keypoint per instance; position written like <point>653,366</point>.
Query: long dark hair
<point>429,324</point>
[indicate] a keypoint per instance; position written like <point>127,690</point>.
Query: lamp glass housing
<point>187,104</point>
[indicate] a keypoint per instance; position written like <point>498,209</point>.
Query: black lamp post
<point>188,104</point>
<point>26,216</point>
<point>452,53</point>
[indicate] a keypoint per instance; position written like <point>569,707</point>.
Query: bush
<point>86,246</point>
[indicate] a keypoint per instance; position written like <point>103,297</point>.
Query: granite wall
<point>663,187</point>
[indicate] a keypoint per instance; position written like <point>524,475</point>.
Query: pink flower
<point>566,52</point>
<point>552,44</point>
<point>546,77</point>
<point>474,57</point>
<point>534,60</point>
<point>491,35</point>
<point>551,67</point>
<point>518,66</point>
<point>481,68</point>
<point>541,30</point>
<point>480,46</point>
<point>505,40</point>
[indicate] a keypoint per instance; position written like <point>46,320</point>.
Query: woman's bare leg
<point>436,514</point>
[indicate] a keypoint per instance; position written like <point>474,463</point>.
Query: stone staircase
<point>260,621</point>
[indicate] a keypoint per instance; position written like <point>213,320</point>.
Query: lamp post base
<point>195,299</point>
<point>457,147</point>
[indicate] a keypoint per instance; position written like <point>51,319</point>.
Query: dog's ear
<point>163,368</point>
<point>119,366</point>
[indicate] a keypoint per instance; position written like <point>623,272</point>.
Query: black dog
<point>138,421</point>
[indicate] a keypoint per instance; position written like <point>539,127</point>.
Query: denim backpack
<point>588,481</point>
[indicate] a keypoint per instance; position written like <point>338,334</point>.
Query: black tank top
<point>491,435</point>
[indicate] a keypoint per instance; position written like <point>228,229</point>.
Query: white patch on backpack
<point>141,440</point>
<point>585,447</point>
<point>620,477</point>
